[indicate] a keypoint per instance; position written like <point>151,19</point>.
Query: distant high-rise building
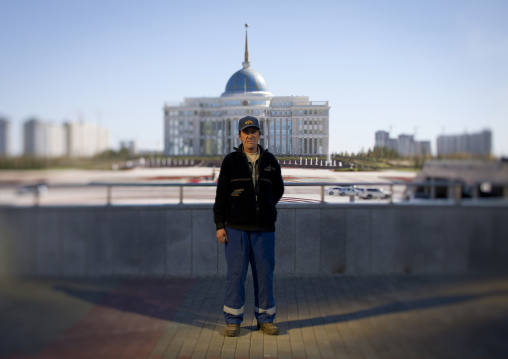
<point>45,139</point>
<point>405,145</point>
<point>479,143</point>
<point>85,139</point>
<point>382,138</point>
<point>290,125</point>
<point>32,137</point>
<point>4,137</point>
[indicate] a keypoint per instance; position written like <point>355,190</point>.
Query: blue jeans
<point>258,249</point>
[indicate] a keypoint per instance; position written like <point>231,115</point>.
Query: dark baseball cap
<point>248,121</point>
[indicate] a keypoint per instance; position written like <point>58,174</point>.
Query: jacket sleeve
<point>277,182</point>
<point>222,195</point>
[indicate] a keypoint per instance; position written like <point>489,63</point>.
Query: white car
<point>341,191</point>
<point>369,193</point>
<point>348,191</point>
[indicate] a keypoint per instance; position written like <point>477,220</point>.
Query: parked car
<point>348,191</point>
<point>369,193</point>
<point>342,191</point>
<point>332,191</point>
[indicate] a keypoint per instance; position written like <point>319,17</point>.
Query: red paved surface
<point>128,323</point>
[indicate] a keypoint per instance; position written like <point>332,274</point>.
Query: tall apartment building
<point>4,137</point>
<point>85,139</point>
<point>290,125</point>
<point>405,145</point>
<point>479,143</point>
<point>46,139</point>
<point>43,139</point>
<point>382,139</point>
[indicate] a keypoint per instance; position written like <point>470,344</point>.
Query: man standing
<point>249,186</point>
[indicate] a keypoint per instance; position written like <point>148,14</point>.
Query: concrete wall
<point>179,240</point>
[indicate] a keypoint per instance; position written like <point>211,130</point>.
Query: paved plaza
<point>71,187</point>
<point>338,316</point>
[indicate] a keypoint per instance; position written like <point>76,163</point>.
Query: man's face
<point>250,138</point>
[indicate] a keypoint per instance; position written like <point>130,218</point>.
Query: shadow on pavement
<point>154,298</point>
<point>395,307</point>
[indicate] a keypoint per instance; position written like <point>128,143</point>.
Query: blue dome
<point>245,80</point>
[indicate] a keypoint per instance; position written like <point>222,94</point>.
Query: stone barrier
<point>179,240</point>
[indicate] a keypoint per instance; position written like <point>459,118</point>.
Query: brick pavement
<point>318,316</point>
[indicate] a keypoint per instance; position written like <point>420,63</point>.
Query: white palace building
<point>208,126</point>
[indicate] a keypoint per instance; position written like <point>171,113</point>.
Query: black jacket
<point>238,204</point>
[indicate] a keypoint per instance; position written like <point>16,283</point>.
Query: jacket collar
<point>240,149</point>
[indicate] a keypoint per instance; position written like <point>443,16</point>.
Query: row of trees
<point>376,153</point>
<point>377,158</point>
<point>30,162</point>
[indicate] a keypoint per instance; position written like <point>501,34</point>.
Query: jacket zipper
<point>258,214</point>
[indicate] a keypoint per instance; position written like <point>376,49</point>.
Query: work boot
<point>232,330</point>
<point>269,328</point>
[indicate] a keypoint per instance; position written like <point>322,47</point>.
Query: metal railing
<point>181,187</point>
<point>454,190</point>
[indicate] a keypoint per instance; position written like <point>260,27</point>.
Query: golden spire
<point>246,44</point>
<point>246,63</point>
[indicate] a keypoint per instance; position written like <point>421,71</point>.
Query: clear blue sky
<point>415,67</point>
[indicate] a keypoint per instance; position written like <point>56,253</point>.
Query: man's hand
<point>222,235</point>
